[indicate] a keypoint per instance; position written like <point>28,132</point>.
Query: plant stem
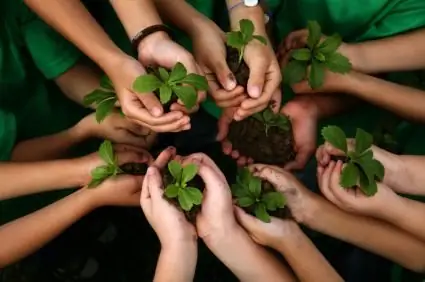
<point>241,53</point>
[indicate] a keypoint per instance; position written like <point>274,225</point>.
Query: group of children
<point>45,132</point>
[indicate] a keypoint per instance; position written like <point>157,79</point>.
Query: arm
<point>413,176</point>
<point>255,14</point>
<point>173,266</point>
<point>304,258</point>
<point>25,235</point>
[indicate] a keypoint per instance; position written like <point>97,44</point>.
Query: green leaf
<point>261,39</point>
<point>336,137</point>
<point>185,200</point>
<point>165,93</point>
<point>364,141</point>
<point>106,152</point>
<point>379,169</point>
<point>163,74</point>
<point>171,191</point>
<point>95,182</point>
<point>255,186</point>
<point>187,94</point>
<point>244,176</point>
<point>245,202</point>
<point>177,73</point>
<point>104,108</point>
<point>338,63</point>
<point>97,96</point>
<point>319,57</point>
<point>176,170</point>
<point>367,186</point>
<point>101,172</point>
<point>197,81</point>
<point>235,40</point>
<point>314,34</point>
<point>261,213</point>
<point>239,191</point>
<point>317,75</point>
<point>273,200</point>
<point>189,172</point>
<point>195,195</point>
<point>247,29</point>
<point>349,176</point>
<point>302,54</point>
<point>268,115</point>
<point>106,83</point>
<point>294,72</point>
<point>371,167</point>
<point>146,83</point>
<point>330,44</point>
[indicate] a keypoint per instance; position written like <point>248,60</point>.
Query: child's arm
<point>28,234</point>
<point>287,238</point>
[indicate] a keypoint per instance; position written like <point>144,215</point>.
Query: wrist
<point>149,43</point>
<point>290,237</point>
<point>354,52</point>
<point>188,248</point>
<point>225,240</point>
<point>81,131</point>
<point>255,14</point>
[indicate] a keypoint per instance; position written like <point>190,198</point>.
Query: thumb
<point>302,88</point>
<point>245,220</point>
<point>224,75</point>
<point>257,75</point>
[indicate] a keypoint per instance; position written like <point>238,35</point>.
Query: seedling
<point>240,39</point>
<point>361,169</point>
<point>251,195</point>
<point>317,56</point>
<point>187,196</point>
<point>270,119</point>
<point>104,98</point>
<point>178,82</point>
<point>110,169</point>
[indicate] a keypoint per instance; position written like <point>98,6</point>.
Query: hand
<point>353,200</point>
<point>304,119</point>
<point>145,108</point>
<point>118,129</point>
<point>266,234</point>
<point>301,202</point>
<point>170,224</point>
<point>159,50</point>
<point>394,167</point>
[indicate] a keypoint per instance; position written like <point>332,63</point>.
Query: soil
<point>196,182</point>
<point>249,138</point>
<point>134,168</point>
<point>241,71</point>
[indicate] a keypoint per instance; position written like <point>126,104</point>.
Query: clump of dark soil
<point>249,138</point>
<point>284,213</point>
<point>196,182</point>
<point>134,168</point>
<point>240,70</point>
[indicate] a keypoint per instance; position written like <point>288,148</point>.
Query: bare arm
<point>412,174</point>
<point>255,14</point>
<point>304,258</point>
<point>25,235</point>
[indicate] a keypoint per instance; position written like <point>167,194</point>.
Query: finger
<point>258,68</point>
<point>325,184</point>
<point>224,74</point>
<point>221,95</point>
<point>302,87</point>
<point>155,185</point>
<point>226,147</point>
<point>338,192</point>
<point>164,157</point>
<point>149,101</point>
<point>242,113</point>
<point>276,100</point>
<point>242,161</point>
<point>180,107</point>
<point>213,182</point>
<point>132,139</point>
<point>235,154</point>
<point>257,167</point>
<point>275,177</point>
<point>331,150</point>
<point>231,103</point>
<point>248,222</point>
<point>145,194</point>
<point>170,127</point>
<point>294,39</point>
<point>224,123</point>
<point>201,158</point>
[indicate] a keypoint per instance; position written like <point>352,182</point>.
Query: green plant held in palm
<point>249,193</point>
<point>240,39</point>
<point>187,196</point>
<point>316,58</point>
<point>270,119</point>
<point>361,169</point>
<point>109,169</point>
<point>177,82</point>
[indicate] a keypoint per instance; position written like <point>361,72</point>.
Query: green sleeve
<point>52,54</point>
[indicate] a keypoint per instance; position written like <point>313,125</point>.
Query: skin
<point>320,215</point>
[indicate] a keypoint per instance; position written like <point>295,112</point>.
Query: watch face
<point>251,3</point>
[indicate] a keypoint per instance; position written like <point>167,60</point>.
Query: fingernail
<point>254,91</point>
<point>156,112</point>
<point>187,127</point>
<point>231,82</point>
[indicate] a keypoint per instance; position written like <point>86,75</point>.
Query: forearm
<point>413,175</point>
<point>177,264</point>
<point>247,260</point>
<point>398,53</point>
<point>371,234</point>
<point>48,147</point>
<point>324,106</point>
<point>255,14</point>
<point>19,179</point>
<point>304,258</point>
<point>73,21</point>
<point>402,100</point>
<point>23,236</point>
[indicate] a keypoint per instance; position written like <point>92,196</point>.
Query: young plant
<point>240,39</point>
<point>104,98</point>
<point>361,169</point>
<point>251,195</point>
<point>177,82</point>
<point>270,119</point>
<point>186,196</point>
<point>317,56</point>
<point>110,169</point>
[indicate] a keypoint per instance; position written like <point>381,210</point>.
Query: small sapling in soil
<point>265,137</point>
<point>111,167</point>
<point>315,58</point>
<point>173,85</point>
<point>236,44</point>
<point>183,187</point>
<point>258,197</point>
<point>361,169</point>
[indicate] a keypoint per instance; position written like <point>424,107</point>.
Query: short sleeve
<point>52,54</point>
